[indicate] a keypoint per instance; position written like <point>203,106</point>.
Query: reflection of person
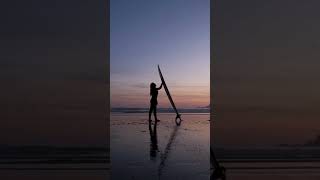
<point>154,140</point>
<point>219,171</point>
<point>153,100</point>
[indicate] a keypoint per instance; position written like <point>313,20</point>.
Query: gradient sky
<point>174,34</point>
<point>266,71</point>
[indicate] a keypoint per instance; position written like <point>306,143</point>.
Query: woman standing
<point>153,100</point>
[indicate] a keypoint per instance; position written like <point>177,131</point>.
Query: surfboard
<point>178,117</point>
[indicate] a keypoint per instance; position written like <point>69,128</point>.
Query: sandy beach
<point>180,152</point>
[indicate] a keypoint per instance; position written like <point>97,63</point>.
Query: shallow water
<point>176,152</point>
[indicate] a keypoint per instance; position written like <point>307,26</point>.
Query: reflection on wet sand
<point>164,151</point>
<point>165,155</point>
<point>154,146</point>
<point>154,141</point>
<point>217,171</point>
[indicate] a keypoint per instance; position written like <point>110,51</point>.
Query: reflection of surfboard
<point>169,97</point>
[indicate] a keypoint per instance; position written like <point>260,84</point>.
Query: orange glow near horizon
<point>191,97</point>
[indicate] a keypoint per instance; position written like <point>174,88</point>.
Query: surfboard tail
<point>178,119</point>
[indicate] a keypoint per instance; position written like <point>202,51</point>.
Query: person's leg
<point>155,113</point>
<point>150,111</point>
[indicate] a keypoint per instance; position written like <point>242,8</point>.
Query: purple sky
<point>174,34</point>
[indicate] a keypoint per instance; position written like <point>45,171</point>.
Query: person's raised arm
<point>159,87</point>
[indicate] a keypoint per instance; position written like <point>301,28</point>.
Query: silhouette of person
<point>154,141</point>
<point>153,100</point>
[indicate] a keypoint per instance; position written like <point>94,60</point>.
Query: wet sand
<point>180,152</point>
<point>54,175</point>
<point>274,174</point>
<point>271,143</point>
<point>47,162</point>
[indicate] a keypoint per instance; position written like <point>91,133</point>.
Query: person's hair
<point>152,87</point>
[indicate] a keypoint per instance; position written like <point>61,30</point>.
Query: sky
<point>266,72</point>
<point>173,34</point>
<point>53,73</point>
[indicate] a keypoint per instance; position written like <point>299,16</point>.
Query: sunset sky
<point>173,34</point>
